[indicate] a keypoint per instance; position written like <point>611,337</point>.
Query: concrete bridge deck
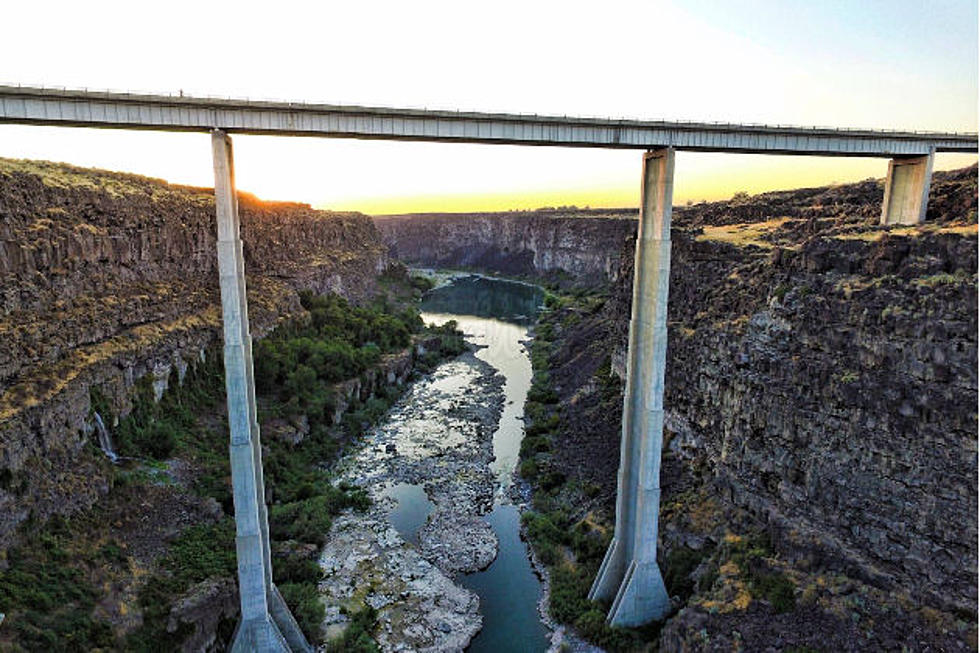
<point>81,108</point>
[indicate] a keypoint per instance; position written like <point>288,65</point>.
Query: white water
<point>105,442</point>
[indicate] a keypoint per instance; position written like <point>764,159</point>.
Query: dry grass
<point>743,235</point>
<point>114,184</point>
<point>49,380</point>
<point>877,233</point>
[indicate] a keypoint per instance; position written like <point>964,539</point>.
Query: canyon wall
<point>578,246</point>
<point>821,385</point>
<point>107,277</point>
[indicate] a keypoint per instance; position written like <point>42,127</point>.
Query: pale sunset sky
<point>898,64</point>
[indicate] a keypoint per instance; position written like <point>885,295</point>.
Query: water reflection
<point>411,510</point>
<point>509,301</point>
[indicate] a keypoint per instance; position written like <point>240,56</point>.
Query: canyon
<point>578,246</point>
<point>821,382</point>
<point>821,395</point>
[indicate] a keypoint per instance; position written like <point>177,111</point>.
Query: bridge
<point>76,108</point>
<point>629,577</point>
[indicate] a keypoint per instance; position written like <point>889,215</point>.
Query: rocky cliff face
<point>822,386</point>
<point>578,246</point>
<point>107,277</point>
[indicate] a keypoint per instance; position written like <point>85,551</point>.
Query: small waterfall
<point>105,442</point>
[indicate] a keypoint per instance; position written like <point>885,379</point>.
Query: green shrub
<point>156,429</point>
<point>529,469</point>
<point>305,604</point>
<point>295,570</point>
<point>359,635</point>
<point>766,583</point>
<point>201,552</point>
<point>308,520</point>
<point>422,284</point>
<point>775,588</point>
<point>680,564</point>
<point>569,591</point>
<point>49,602</point>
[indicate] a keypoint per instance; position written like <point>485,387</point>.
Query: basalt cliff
<point>576,246</point>
<point>820,469</point>
<point>106,278</point>
<point>821,399</point>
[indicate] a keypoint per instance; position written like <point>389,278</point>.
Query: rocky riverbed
<point>438,437</point>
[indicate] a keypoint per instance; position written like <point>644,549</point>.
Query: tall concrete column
<point>907,190</point>
<point>629,576</point>
<point>266,623</point>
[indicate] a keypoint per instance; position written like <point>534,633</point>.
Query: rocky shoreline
<point>439,437</point>
<point>563,639</point>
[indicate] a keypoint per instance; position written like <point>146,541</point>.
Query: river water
<point>495,315</point>
<point>439,554</point>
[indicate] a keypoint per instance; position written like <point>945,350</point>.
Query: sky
<point>900,64</point>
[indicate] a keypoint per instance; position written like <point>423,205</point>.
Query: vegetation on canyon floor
<point>55,581</point>
<point>571,544</point>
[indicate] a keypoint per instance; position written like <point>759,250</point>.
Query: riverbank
<point>152,566</point>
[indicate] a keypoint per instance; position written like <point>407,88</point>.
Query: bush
<point>201,552</point>
<point>680,564</point>
<point>569,589</point>
<point>422,284</point>
<point>775,588</point>
<point>295,570</point>
<point>358,638</point>
<point>306,521</point>
<point>305,604</point>
<point>157,429</point>
<point>49,603</point>
<point>766,583</point>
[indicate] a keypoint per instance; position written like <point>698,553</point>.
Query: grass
<point>752,233</point>
<point>751,555</point>
<point>960,276</point>
<point>359,635</point>
<point>115,184</point>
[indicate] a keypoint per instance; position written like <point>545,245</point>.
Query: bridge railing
<point>179,97</point>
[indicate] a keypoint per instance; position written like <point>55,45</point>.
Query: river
<point>495,315</point>
<point>439,554</point>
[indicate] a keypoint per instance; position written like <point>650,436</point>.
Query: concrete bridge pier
<point>266,623</point>
<point>907,189</point>
<point>629,576</point>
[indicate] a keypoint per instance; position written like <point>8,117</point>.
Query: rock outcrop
<point>821,386</point>
<point>107,277</point>
<point>578,246</point>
